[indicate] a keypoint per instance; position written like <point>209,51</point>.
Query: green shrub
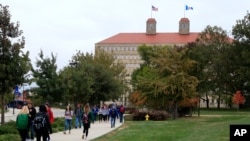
<point>8,128</point>
<point>153,115</point>
<point>10,137</point>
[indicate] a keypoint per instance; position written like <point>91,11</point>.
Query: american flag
<point>154,8</point>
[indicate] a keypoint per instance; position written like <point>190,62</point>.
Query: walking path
<point>97,129</point>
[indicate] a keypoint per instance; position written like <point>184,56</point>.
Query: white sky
<point>62,27</point>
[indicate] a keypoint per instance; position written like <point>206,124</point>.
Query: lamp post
<point>16,91</point>
<point>73,64</point>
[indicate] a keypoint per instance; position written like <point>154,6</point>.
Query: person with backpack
<point>87,118</point>
<point>32,114</point>
<point>68,118</point>
<point>121,113</point>
<point>23,122</point>
<point>42,124</point>
<point>113,115</point>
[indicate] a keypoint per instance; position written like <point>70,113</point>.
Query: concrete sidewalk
<point>96,130</point>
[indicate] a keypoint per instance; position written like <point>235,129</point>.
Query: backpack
<point>85,118</point>
<point>122,109</point>
<point>22,121</point>
<point>40,122</point>
<point>113,114</point>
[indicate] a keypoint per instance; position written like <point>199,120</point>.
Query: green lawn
<point>210,126</point>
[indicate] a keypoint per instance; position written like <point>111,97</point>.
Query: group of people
<point>85,115</point>
<point>31,123</point>
<point>28,119</point>
<point>104,113</point>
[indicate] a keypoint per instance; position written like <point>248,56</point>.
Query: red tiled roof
<point>143,38</point>
<point>184,20</point>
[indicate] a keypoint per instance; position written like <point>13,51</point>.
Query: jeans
<point>121,117</point>
<point>67,124</point>
<point>31,130</point>
<point>78,122</point>
<point>113,121</point>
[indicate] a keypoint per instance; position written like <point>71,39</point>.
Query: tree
<point>241,49</point>
<point>92,78</point>
<point>46,78</point>
<point>164,77</point>
<point>14,62</point>
<point>238,99</point>
<point>212,53</point>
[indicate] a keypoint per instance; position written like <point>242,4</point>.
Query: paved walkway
<point>97,129</point>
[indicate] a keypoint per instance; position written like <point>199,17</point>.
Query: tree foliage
<point>92,78</point>
<point>212,52</point>
<point>46,77</point>
<point>14,62</point>
<point>238,98</point>
<point>164,77</point>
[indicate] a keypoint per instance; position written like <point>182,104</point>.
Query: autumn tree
<point>14,62</point>
<point>238,99</point>
<point>164,77</point>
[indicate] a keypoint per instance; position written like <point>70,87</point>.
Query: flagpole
<point>151,12</point>
<point>151,8</point>
<point>184,10</point>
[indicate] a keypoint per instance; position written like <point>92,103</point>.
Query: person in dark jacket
<point>113,115</point>
<point>78,116</point>
<point>32,114</point>
<point>44,132</point>
<point>86,121</point>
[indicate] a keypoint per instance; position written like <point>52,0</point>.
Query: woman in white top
<point>68,118</point>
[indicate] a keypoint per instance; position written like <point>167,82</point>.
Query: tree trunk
<point>2,109</point>
<point>207,101</point>
<point>218,102</point>
<point>175,110</point>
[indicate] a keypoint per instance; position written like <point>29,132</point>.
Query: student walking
<point>113,115</point>
<point>68,118</point>
<point>42,124</point>
<point>121,113</point>
<point>78,115</point>
<point>32,114</point>
<point>23,122</point>
<point>87,118</point>
<point>51,116</point>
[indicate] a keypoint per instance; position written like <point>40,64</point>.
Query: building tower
<point>151,26</point>
<point>184,26</point>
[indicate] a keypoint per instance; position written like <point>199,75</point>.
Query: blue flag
<point>188,7</point>
<point>16,91</point>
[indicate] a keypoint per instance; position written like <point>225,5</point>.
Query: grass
<point>210,126</point>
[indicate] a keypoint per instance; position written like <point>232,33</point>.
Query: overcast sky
<point>62,27</point>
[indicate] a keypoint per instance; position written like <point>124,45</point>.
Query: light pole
<point>73,65</point>
<point>16,91</point>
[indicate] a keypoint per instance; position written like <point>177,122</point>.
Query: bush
<point>10,137</point>
<point>8,128</point>
<point>155,115</point>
